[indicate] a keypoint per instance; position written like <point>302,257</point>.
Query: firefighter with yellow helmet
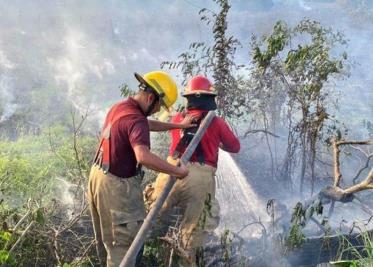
<point>114,192</point>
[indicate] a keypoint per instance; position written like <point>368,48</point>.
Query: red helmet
<point>199,85</point>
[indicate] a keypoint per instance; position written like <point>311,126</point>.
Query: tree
<point>301,62</point>
<point>216,60</point>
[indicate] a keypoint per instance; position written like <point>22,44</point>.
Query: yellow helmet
<point>162,84</point>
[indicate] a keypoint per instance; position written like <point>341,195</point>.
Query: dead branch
<point>365,166</point>
<point>76,129</point>
<point>260,131</point>
<point>335,193</point>
<point>367,183</point>
<point>22,236</point>
<point>259,222</point>
<point>73,221</point>
<point>337,171</point>
<point>22,220</point>
<point>345,142</point>
<point>60,230</point>
<point>176,247</point>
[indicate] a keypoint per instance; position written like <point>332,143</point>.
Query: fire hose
<point>130,257</point>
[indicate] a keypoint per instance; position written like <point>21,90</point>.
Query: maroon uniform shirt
<point>128,132</point>
<point>217,133</point>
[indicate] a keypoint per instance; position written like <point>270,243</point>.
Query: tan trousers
<point>117,209</point>
<point>195,196</point>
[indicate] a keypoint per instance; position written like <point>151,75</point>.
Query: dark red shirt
<point>217,134</point>
<point>128,132</point>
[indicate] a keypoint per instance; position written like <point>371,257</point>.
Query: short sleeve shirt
<point>128,132</point>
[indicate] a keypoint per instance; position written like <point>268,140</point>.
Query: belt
<point>139,172</point>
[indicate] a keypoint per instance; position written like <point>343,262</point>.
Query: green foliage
<point>295,238</point>
<point>30,166</point>
<point>275,44</point>
<point>289,84</point>
<point>40,170</point>
<point>155,253</point>
<point>226,240</point>
<point>216,60</point>
<point>362,257</point>
<point>206,212</point>
<point>126,91</point>
<point>6,259</point>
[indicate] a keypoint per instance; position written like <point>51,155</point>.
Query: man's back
<point>130,130</point>
<point>218,134</point>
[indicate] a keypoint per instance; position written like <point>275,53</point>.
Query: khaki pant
<point>195,196</point>
<point>117,209</point>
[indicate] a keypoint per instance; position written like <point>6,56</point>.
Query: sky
<point>86,49</point>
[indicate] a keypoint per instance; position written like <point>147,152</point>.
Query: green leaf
<point>40,216</point>
<point>5,236</point>
<point>4,256</point>
<point>343,264</point>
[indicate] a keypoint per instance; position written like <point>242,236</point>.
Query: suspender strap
<point>102,157</point>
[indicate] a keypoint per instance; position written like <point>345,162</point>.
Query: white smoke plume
<point>80,62</point>
<point>7,99</point>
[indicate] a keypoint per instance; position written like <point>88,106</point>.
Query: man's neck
<point>140,101</point>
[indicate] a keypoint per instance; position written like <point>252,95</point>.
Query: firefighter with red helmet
<point>114,192</point>
<point>195,194</point>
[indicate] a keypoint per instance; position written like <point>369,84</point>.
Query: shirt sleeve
<point>175,133</point>
<point>229,141</point>
<point>139,133</point>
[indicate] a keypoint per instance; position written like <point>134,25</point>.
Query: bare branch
<point>259,222</point>
<point>366,184</point>
<point>21,237</point>
<point>260,131</point>
<point>345,142</point>
<point>360,149</point>
<point>337,171</point>
<point>176,247</point>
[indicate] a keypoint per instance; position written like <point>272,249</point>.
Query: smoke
<point>80,65</point>
<point>304,6</point>
<point>7,99</point>
<point>66,193</point>
<point>88,50</point>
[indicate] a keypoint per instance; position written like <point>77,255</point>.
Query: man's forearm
<point>155,163</point>
<point>158,126</point>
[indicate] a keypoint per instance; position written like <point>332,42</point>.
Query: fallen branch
<point>21,237</point>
